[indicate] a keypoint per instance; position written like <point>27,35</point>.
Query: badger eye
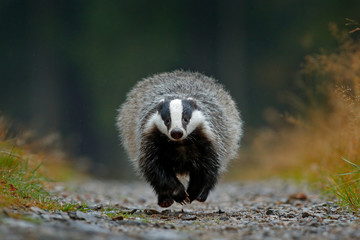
<point>167,122</point>
<point>186,120</point>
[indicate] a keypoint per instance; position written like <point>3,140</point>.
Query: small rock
<point>118,218</point>
<point>96,206</point>
<point>151,211</point>
<point>58,216</point>
<point>305,215</point>
<point>188,218</point>
<point>335,217</point>
<point>37,210</point>
<point>334,209</point>
<point>75,216</point>
<point>32,216</point>
<point>270,212</point>
<point>132,211</point>
<point>166,212</point>
<point>298,196</point>
<point>230,228</point>
<point>290,215</point>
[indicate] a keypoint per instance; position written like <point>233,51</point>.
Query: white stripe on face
<point>176,112</point>
<point>155,120</point>
<point>196,119</point>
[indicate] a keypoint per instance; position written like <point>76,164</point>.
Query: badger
<point>180,123</point>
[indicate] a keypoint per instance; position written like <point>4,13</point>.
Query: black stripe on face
<point>164,111</point>
<point>188,107</point>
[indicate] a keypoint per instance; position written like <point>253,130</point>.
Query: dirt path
<point>118,210</point>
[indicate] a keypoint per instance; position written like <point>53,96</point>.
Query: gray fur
<point>214,102</point>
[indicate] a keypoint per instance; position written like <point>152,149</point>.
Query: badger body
<point>180,123</point>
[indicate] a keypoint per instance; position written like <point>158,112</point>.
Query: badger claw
<point>180,195</point>
<point>185,201</point>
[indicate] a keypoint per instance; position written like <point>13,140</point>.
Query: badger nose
<point>176,133</point>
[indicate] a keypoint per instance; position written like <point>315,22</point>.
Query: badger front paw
<point>165,201</point>
<point>203,196</point>
<point>180,195</point>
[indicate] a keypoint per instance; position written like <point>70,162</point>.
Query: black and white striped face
<point>176,118</point>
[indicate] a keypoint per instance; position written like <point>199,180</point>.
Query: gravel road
<point>246,210</point>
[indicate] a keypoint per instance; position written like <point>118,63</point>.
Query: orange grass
<point>326,128</point>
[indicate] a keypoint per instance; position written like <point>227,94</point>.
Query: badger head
<point>176,118</point>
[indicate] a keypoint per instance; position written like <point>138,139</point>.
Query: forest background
<point>66,66</point>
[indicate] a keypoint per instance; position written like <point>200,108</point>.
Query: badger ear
<point>160,104</point>
<point>192,102</point>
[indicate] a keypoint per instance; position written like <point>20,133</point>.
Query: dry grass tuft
<point>326,129</point>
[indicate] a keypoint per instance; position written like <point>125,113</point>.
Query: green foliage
<point>71,207</point>
<point>21,183</point>
<point>24,172</point>
<point>346,187</point>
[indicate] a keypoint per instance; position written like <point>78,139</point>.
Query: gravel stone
<point>95,206</point>
<point>270,212</point>
<point>37,210</point>
<point>75,216</point>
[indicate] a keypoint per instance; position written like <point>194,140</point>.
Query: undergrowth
<point>25,176</point>
<point>319,141</point>
<point>346,186</point>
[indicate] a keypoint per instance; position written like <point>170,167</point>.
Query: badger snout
<point>177,133</point>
